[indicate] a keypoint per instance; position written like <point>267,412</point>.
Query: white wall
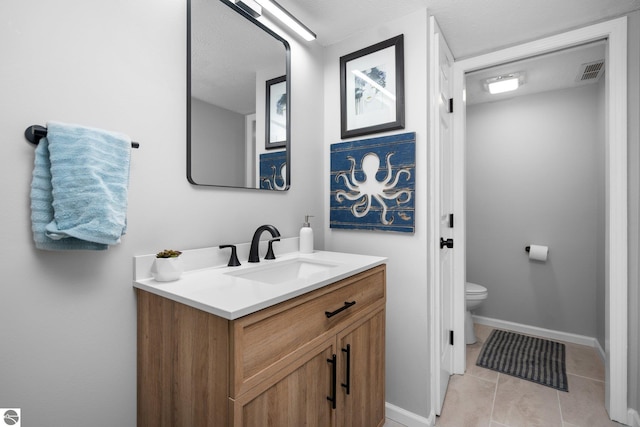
<point>534,171</point>
<point>407,356</point>
<point>633,93</point>
<point>68,319</point>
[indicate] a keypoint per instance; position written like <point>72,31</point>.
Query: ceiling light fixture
<point>504,83</point>
<point>286,18</point>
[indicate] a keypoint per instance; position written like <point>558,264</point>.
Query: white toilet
<point>474,295</point>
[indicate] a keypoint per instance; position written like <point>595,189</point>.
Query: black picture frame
<point>276,113</point>
<point>372,101</point>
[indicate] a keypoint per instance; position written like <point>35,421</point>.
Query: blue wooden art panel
<point>373,184</point>
<point>273,170</point>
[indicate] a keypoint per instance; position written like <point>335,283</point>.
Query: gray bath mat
<point>534,359</point>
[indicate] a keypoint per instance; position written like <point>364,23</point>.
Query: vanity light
<point>286,18</point>
<point>504,83</point>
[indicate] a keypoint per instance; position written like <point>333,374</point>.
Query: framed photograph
<point>276,120</point>
<point>372,89</point>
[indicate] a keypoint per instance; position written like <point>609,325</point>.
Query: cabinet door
<point>361,373</point>
<point>299,396</point>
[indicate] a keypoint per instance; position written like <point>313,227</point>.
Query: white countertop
<point>216,291</point>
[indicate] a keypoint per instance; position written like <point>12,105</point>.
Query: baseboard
<point>634,418</point>
<point>407,418</point>
<point>541,332</point>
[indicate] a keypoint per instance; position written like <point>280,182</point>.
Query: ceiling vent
<point>590,72</point>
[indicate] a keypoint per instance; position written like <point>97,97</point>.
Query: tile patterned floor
<point>484,398</point>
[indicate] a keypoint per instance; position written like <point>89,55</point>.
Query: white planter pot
<point>167,269</point>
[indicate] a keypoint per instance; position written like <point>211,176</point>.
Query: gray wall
<point>217,133</point>
<point>601,285</point>
<point>68,319</point>
<point>534,174</point>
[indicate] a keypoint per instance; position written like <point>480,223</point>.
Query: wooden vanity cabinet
<point>282,366</point>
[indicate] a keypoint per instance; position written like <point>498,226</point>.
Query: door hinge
<point>450,220</point>
<point>451,105</point>
<point>450,337</point>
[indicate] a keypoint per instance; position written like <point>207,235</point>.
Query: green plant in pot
<point>168,253</point>
<point>167,266</point>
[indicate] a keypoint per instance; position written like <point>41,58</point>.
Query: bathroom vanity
<point>315,358</point>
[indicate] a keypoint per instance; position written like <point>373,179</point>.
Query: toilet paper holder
<point>537,253</point>
<point>527,248</point>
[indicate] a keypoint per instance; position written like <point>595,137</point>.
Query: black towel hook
<point>35,132</point>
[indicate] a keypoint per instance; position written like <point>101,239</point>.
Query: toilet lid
<point>474,288</point>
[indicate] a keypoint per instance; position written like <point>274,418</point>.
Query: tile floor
<point>487,398</point>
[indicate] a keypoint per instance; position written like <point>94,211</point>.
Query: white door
<point>441,62</point>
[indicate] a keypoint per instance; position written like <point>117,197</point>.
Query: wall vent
<point>590,72</point>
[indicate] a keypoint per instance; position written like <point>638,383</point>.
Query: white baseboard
<point>407,418</point>
<point>634,418</point>
<point>541,332</point>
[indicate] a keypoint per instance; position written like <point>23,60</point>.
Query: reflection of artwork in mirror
<point>273,170</point>
<point>230,57</point>
<point>372,89</point>
<point>276,120</point>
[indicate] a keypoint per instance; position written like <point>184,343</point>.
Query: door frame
<point>616,310</point>
<point>434,250</point>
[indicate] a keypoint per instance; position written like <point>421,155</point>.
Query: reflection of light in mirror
<point>276,10</point>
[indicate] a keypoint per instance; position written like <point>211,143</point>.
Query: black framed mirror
<point>238,99</point>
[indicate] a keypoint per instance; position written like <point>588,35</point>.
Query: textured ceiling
<point>471,27</point>
<point>553,71</point>
<point>227,52</point>
<point>474,27</point>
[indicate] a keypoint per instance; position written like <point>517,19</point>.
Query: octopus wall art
<point>373,184</point>
<point>273,171</point>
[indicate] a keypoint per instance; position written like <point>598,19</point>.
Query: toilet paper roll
<point>538,252</point>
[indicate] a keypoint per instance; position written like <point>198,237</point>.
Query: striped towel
<point>79,188</point>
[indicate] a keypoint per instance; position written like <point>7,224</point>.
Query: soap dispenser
<point>306,236</point>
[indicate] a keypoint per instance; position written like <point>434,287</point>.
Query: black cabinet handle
<point>346,305</point>
<point>334,375</point>
<point>347,384</point>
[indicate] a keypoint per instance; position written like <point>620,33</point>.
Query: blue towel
<point>79,188</point>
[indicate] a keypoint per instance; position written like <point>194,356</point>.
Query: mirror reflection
<point>237,100</point>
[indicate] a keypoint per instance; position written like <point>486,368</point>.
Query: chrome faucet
<point>255,242</point>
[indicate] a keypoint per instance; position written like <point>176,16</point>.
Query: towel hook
<point>36,132</point>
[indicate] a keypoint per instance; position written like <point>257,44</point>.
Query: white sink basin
<point>277,273</point>
<point>233,292</point>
